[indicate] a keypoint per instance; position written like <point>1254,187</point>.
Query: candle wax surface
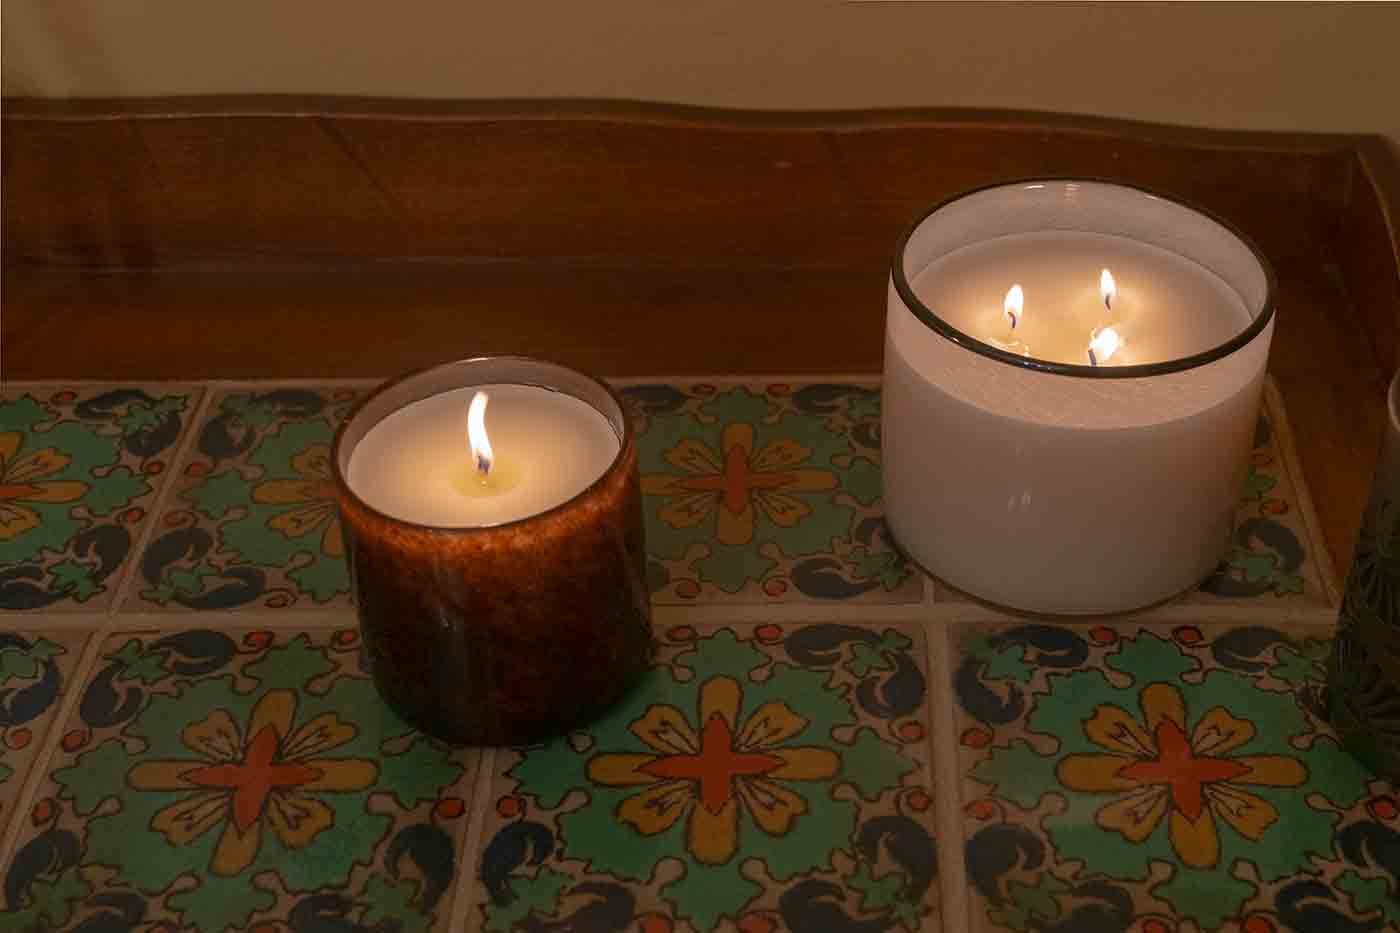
<point>416,465</point>
<point>1167,306</point>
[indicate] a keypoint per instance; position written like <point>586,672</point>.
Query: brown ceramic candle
<point>505,632</point>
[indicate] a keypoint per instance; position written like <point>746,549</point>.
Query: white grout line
<point>788,612</point>
<point>39,767</point>
<point>179,619</point>
<point>947,778</point>
<point>465,885</point>
<point>288,620</point>
<point>225,385</point>
<point>54,620</point>
<point>1263,612</point>
<point>163,498</point>
<point>949,615</point>
<point>863,380</point>
<point>76,384</point>
<point>930,615</point>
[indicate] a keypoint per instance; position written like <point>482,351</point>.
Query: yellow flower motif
<point>1157,768</point>
<point>735,481</point>
<point>314,493</point>
<point>712,774</point>
<point>22,480</point>
<point>263,775</point>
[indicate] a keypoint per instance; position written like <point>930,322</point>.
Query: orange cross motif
<point>254,778</point>
<point>1179,768</point>
<point>17,490</point>
<point>716,766</point>
<point>737,482</point>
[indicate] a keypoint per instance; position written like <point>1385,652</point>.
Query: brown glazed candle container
<point>507,633</point>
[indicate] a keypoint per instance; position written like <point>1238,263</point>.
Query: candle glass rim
<point>930,318</point>
<point>1393,402</point>
<point>626,441</point>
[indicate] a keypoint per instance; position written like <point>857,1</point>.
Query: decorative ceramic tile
<point>1274,558</point>
<point>762,493</point>
<point>212,780</point>
<point>1275,562</point>
<point>35,672</point>
<point>1152,778</point>
<point>253,520</point>
<point>79,471</point>
<point>760,778</point>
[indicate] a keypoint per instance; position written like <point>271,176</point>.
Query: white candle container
<point>1062,487</point>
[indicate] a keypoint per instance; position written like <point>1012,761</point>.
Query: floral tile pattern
<point>213,780</point>
<point>1141,777</point>
<point>762,777</point>
<point>80,469</point>
<point>253,520</point>
<point>762,493</point>
<point>1275,561</point>
<point>36,670</point>
<point>767,775</point>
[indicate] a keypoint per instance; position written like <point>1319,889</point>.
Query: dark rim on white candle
<point>940,326</point>
<point>400,392</point>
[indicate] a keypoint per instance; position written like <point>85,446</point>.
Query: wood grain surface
<point>271,238</point>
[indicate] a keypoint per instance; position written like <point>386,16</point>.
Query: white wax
<point>1052,494</point>
<point>1070,493</point>
<point>413,465</point>
<point>1167,307</point>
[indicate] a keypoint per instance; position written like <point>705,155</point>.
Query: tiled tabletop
<point>190,740</point>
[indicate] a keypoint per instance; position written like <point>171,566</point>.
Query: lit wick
<point>476,435</point>
<point>1108,289</point>
<point>1102,345</point>
<point>1011,307</point>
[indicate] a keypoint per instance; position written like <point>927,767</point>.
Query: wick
<point>1093,360</point>
<point>483,468</point>
<point>1108,302</point>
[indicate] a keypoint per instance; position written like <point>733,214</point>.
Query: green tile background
<point>251,520</point>
<point>212,554</point>
<point>82,468</point>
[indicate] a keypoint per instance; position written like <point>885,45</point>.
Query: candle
<point>1167,307</point>
<point>1089,458</point>
<point>1363,671</point>
<point>492,511</point>
<point>418,465</point>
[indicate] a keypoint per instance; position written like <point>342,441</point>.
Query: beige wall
<point>1255,65</point>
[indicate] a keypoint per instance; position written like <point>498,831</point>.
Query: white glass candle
<point>1014,468</point>
<point>1163,306</point>
<point>417,465</point>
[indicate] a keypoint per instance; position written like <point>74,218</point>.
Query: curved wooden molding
<point>150,182</point>
<point>661,114</point>
<point>311,237</point>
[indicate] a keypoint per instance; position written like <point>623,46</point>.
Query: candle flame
<point>1107,288</point>
<point>476,435</point>
<point>1102,345</point>
<point>1015,301</point>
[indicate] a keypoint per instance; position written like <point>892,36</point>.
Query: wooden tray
<point>216,238</point>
